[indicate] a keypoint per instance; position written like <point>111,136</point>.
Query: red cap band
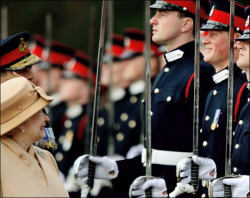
<point>12,56</point>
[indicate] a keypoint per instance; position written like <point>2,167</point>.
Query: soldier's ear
<point>236,43</point>
<point>187,25</point>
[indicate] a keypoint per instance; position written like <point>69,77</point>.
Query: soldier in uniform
<point>48,74</point>
<point>241,145</point>
<point>212,137</point>
<point>172,99</point>
<point>16,58</point>
<point>74,90</point>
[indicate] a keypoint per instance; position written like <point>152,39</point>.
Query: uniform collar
<point>223,74</point>
<point>220,76</point>
<point>74,111</point>
<point>117,94</point>
<point>178,53</point>
<point>56,101</point>
<point>137,87</point>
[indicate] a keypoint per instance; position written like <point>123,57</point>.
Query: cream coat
<point>21,175</point>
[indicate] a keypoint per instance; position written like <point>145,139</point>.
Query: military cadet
<point>172,100</point>
<point>74,90</point>
<point>212,137</point>
<point>241,146</point>
<point>16,58</point>
<point>48,74</point>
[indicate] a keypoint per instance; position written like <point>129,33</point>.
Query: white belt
<point>161,157</point>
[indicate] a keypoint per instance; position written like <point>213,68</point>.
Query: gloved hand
<point>182,188</point>
<point>239,185</point>
<point>216,188</point>
<point>106,168</point>
<point>134,151</point>
<point>140,184</point>
<point>206,168</point>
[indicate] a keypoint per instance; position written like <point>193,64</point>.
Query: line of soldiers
<point>65,73</point>
<point>172,109</point>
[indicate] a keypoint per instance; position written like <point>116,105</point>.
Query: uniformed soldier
<point>241,146</point>
<point>74,90</point>
<point>48,74</point>
<point>212,137</point>
<point>16,57</point>
<point>172,98</point>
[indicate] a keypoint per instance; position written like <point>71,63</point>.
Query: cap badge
<point>212,11</point>
<point>247,21</point>
<point>23,46</point>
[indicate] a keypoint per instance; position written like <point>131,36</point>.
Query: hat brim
<point>26,62</point>
<point>210,26</point>
<point>243,37</point>
<point>24,115</point>
<point>127,54</point>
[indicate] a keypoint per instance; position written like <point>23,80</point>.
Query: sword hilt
<point>227,191</point>
<point>195,176</point>
<point>91,174</point>
<point>148,192</point>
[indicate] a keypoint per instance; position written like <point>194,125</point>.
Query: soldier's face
<point>216,48</point>
<point>243,60</point>
<point>166,27</point>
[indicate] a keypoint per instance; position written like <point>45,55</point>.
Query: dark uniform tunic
<point>241,146</point>
<point>71,139</point>
<point>172,111</point>
<point>213,132</point>
<point>127,128</point>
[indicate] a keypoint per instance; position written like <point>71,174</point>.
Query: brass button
<point>169,99</point>
<point>204,143</point>
<point>200,130</point>
<point>233,133</point>
<point>207,118</point>
<point>143,100</point>
<point>156,90</point>
<point>237,146</point>
<point>248,100</point>
<point>166,69</point>
<point>241,122</point>
<point>214,92</point>
<point>124,116</point>
<point>100,121</point>
<point>203,195</point>
<point>151,113</point>
<point>59,156</point>
<point>68,123</point>
<point>133,99</point>
<point>235,169</point>
<point>119,137</point>
<point>132,124</point>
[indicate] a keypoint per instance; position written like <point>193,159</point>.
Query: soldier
<point>212,135</point>
<point>241,146</point>
<point>48,74</point>
<point>172,100</point>
<point>74,90</point>
<point>16,58</point>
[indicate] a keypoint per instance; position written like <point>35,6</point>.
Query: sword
<point>229,131</point>
<point>195,167</point>
<point>93,146</point>
<point>148,96</point>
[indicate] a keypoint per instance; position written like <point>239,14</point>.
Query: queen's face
<point>34,126</point>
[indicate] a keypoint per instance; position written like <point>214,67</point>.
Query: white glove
<point>239,185</point>
<point>135,151</point>
<point>206,166</point>
<point>182,188</point>
<point>106,168</point>
<point>216,188</point>
<point>140,184</point>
